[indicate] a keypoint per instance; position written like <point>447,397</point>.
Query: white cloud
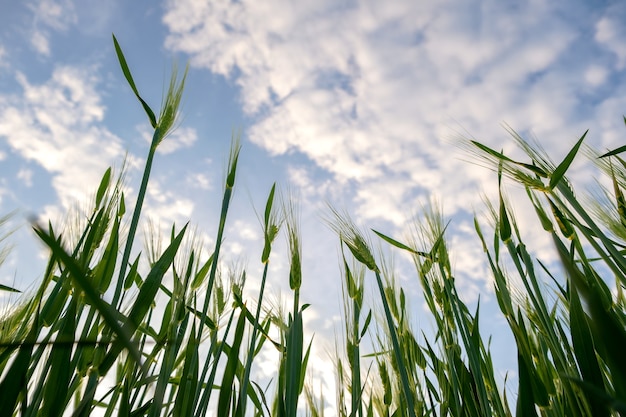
<point>610,32</point>
<point>181,137</point>
<point>26,175</point>
<point>39,41</point>
<point>199,180</point>
<point>96,17</point>
<point>246,231</point>
<point>57,125</point>
<point>3,190</point>
<point>57,15</point>
<point>596,75</point>
<point>309,186</point>
<point>49,15</point>
<point>166,207</point>
<point>4,59</point>
<point>366,91</point>
<point>373,93</point>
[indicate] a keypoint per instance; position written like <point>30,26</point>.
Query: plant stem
<point>156,138</point>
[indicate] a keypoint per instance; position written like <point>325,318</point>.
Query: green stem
<point>136,214</point>
<point>218,244</point>
<point>357,409</point>
<point>241,407</point>
<point>228,192</point>
<point>396,349</point>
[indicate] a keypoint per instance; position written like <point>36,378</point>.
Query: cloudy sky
<point>358,103</point>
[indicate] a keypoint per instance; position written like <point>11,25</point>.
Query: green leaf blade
<point>131,82</point>
<point>560,170</point>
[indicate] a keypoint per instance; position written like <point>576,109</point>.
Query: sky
<point>356,103</point>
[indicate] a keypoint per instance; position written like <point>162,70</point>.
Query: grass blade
<point>103,272</point>
<point>615,151</point>
<point>399,245</point>
<point>58,380</point>
<point>142,303</point>
<point>560,170</point>
<point>184,405</point>
<point>104,185</point>
<point>131,82</point>
<point>293,365</point>
<point>582,341</point>
<point>15,378</point>
<point>7,288</point>
<point>82,282</point>
<point>505,224</point>
<point>226,387</point>
<point>525,400</point>
<point>604,324</point>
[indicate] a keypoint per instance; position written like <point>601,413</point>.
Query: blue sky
<point>353,102</point>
